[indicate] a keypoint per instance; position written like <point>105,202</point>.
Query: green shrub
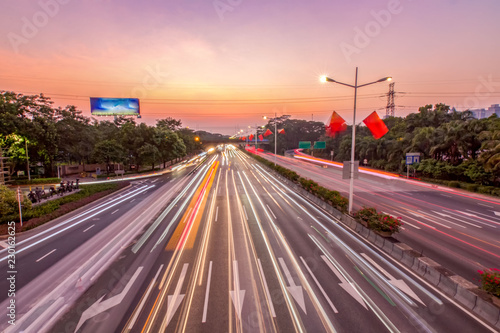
<point>37,181</point>
<point>454,184</point>
<point>365,214</point>
<point>490,280</point>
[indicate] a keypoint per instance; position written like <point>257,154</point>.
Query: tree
<point>149,154</point>
<point>108,151</point>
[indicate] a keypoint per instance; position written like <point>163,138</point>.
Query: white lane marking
<point>114,211</point>
<point>294,290</point>
<point>171,180</point>
<point>485,205</point>
<point>449,217</point>
<point>89,227</point>
<point>245,211</point>
<point>100,306</point>
<point>46,255</point>
<point>400,284</point>
<point>154,181</point>
<point>472,215</point>
<point>461,220</point>
<point>216,213</point>
<point>405,222</point>
<point>237,295</point>
<point>271,211</point>
<point>205,306</point>
<point>4,244</point>
<point>175,300</point>
<point>320,287</point>
<point>446,195</point>
<point>141,305</point>
<point>433,221</point>
<point>268,294</point>
<point>347,286</point>
<point>132,200</point>
<point>497,213</point>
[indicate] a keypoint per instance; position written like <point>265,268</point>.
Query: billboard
<point>114,106</point>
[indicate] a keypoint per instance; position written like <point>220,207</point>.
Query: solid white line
<point>245,211</point>
<point>136,315</point>
<point>320,287</point>
<point>115,211</point>
<point>205,306</point>
<point>187,216</point>
<point>268,295</point>
<point>481,204</point>
<point>89,227</point>
<point>216,213</point>
<point>271,211</point>
<point>46,255</point>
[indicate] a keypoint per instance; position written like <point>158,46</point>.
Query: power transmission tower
<point>389,110</point>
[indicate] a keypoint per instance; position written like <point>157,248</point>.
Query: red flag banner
<point>261,137</point>
<point>376,125</point>
<point>281,131</point>
<point>268,132</point>
<point>250,137</point>
<point>336,125</point>
<point>243,138</point>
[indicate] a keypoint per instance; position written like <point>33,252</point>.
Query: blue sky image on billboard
<point>114,106</point>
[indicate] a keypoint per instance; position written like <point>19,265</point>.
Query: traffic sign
<point>412,158</point>
<point>320,145</point>
<point>304,144</point>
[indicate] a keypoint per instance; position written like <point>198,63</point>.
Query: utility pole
<point>389,110</point>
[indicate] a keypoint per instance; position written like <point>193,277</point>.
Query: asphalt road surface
<point>235,250</point>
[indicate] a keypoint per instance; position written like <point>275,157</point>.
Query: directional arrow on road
<point>296,291</point>
<point>237,295</point>
<point>400,284</point>
<point>99,307</point>
<point>344,284</point>
<point>175,300</point>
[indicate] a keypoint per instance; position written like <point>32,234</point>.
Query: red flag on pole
<point>281,131</point>
<point>268,132</point>
<point>336,125</point>
<point>261,137</point>
<point>376,125</point>
<point>243,138</point>
<point>250,137</point>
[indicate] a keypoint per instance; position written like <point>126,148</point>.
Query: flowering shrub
<point>384,222</point>
<point>366,214</point>
<point>377,221</point>
<point>490,279</point>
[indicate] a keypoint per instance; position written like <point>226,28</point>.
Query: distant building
<point>485,113</point>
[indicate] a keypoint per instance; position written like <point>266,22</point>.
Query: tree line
<point>63,135</point>
<point>454,146</point>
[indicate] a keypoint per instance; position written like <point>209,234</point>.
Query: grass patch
<point>53,209</point>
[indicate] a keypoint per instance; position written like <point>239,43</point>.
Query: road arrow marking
<point>400,284</point>
<point>175,300</point>
<point>99,307</point>
<point>294,290</point>
<point>344,284</point>
<point>237,295</point>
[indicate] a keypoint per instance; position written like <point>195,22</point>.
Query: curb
<point>461,290</point>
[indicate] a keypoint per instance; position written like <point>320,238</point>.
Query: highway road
<point>459,230</point>
<point>67,252</point>
<point>241,252</point>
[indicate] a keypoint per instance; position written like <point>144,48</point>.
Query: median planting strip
<point>464,292</point>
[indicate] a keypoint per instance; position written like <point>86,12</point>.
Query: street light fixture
<point>325,78</point>
<point>275,135</point>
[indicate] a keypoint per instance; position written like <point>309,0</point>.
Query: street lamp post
<point>275,135</point>
<point>353,144</point>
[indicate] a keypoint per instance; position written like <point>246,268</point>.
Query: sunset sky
<point>221,65</point>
